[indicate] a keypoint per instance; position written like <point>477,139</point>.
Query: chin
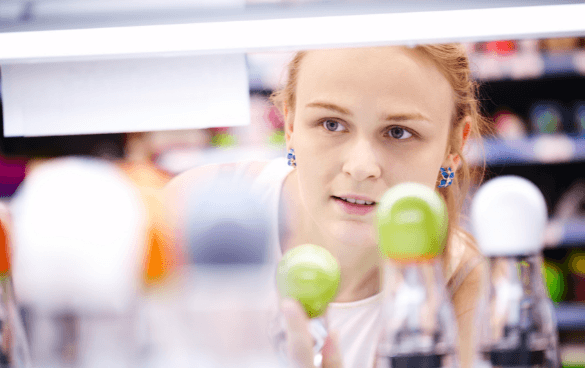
<point>352,233</point>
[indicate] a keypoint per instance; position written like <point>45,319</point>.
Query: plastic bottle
<point>309,274</point>
<point>419,328</point>
<point>14,349</point>
<point>78,232</point>
<point>516,326</point>
<point>219,315</point>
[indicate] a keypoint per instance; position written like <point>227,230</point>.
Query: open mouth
<point>356,201</point>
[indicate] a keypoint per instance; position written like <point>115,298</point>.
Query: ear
<point>288,124</point>
<point>462,133</point>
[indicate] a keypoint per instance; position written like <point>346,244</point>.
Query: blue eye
<point>399,133</point>
<point>333,126</point>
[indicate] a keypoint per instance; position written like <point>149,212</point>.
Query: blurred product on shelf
<point>527,62</point>
<point>79,231</point>
<point>567,223</point>
<point>500,47</point>
<point>546,117</point>
<point>517,325</point>
<point>528,58</point>
<point>541,149</point>
<point>509,125</point>
<point>571,204</point>
<point>162,255</point>
<point>516,59</point>
<point>222,138</point>
<point>12,172</point>
<point>14,345</point>
<point>576,264</point>
<point>558,44</point>
<point>555,281</point>
<point>579,117</point>
<point>218,314</point>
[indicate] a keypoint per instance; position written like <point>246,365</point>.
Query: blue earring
<point>291,158</point>
<point>446,177</point>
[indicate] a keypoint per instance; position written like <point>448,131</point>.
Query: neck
<point>360,266</point>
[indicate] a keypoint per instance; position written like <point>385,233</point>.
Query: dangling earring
<point>446,177</point>
<point>291,158</point>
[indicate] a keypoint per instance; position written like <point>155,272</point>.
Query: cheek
<point>314,174</point>
<point>420,165</point>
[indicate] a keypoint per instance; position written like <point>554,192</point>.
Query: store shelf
<point>570,316</point>
<point>565,234</point>
<point>541,149</point>
<point>177,161</point>
<point>522,66</point>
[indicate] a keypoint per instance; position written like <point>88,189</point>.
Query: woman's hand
<point>300,342</point>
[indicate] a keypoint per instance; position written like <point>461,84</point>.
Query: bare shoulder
<point>470,272</point>
<point>466,296</point>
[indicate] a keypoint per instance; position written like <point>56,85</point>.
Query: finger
<point>300,342</point>
<point>331,354</point>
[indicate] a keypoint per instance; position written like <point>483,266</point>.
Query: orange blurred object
<point>161,254</point>
<point>4,251</point>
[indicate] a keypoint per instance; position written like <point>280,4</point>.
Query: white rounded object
<point>509,216</point>
<point>79,237</point>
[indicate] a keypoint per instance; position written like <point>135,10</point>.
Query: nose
<point>361,162</point>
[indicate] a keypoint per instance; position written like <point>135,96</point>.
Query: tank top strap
<point>461,274</point>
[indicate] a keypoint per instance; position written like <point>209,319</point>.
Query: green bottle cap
<point>412,223</point>
<point>309,274</point>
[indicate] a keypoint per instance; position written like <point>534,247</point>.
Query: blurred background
<point>531,88</point>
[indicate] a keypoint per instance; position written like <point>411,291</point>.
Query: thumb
<point>331,354</point>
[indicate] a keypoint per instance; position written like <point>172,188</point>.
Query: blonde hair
<point>453,63</point>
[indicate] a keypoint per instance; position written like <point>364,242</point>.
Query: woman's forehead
<point>374,62</point>
<point>388,74</point>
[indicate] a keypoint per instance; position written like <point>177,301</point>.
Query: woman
<point>357,122</point>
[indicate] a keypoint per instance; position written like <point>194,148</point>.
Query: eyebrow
<point>406,117</point>
<point>330,106</point>
<point>393,118</point>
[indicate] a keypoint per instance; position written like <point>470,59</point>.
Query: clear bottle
<point>309,274</point>
<point>517,326</point>
<point>419,327</point>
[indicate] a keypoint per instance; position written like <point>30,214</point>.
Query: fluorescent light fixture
<point>236,36</point>
<point>125,95</point>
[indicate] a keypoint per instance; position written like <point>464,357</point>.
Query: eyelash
<point>323,122</point>
<point>388,132</point>
<point>404,131</point>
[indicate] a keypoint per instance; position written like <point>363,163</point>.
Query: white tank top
<point>357,323</point>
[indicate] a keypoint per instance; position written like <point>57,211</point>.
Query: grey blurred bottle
<point>419,327</point>
<point>516,321</point>
<point>221,315</point>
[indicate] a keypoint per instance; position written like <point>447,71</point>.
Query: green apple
<point>412,223</point>
<point>309,274</point>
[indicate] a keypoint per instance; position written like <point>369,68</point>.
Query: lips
<point>355,205</point>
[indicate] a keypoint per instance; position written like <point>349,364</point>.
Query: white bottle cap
<point>508,216</point>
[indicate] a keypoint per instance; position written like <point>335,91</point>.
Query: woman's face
<point>364,121</point>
